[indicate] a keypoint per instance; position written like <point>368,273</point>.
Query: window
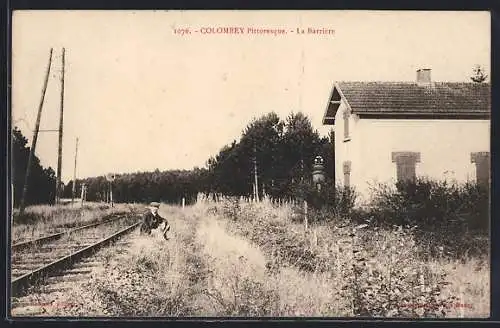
<point>347,173</point>
<point>482,161</point>
<point>346,125</point>
<point>405,164</point>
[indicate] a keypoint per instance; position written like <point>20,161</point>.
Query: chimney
<point>424,76</point>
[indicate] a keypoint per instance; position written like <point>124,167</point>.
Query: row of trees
<point>42,181</point>
<point>282,150</point>
<point>167,186</point>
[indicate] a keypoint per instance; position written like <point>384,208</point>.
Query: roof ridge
<point>412,82</point>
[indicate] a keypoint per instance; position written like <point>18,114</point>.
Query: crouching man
<point>152,220</point>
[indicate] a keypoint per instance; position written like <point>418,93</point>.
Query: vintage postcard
<point>247,163</point>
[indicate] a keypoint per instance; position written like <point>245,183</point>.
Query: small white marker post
<point>110,178</point>
<point>84,186</point>
<point>422,282</point>
<point>183,202</point>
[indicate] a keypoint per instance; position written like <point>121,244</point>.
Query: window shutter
<point>347,173</point>
<point>400,173</point>
<point>483,173</point>
<point>482,161</point>
<point>405,165</point>
<point>346,124</point>
<point>408,166</point>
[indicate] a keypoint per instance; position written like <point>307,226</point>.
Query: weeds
<point>233,257</point>
<point>42,220</point>
<point>379,270</point>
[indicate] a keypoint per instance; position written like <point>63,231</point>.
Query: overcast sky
<point>140,97</point>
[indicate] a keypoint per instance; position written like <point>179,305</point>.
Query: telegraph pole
<point>110,178</point>
<point>35,137</point>
<point>111,193</point>
<point>61,119</point>
<point>255,173</point>
<point>74,175</point>
<point>302,161</point>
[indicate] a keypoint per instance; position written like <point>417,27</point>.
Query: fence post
<point>305,214</point>
<point>183,202</point>
<point>83,193</point>
<point>462,302</point>
<point>422,282</point>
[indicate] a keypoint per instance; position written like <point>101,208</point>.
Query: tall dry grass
<point>151,277</point>
<point>380,271</point>
<point>41,220</point>
<point>237,258</point>
<point>205,270</point>
<point>241,283</point>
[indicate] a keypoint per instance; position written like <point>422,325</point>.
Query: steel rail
<point>19,285</point>
<point>41,240</point>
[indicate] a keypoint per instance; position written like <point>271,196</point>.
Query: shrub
<point>395,284</point>
<point>453,216</point>
<point>432,204</point>
<point>231,207</point>
<point>331,202</point>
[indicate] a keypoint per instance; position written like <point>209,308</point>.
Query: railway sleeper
<point>77,245</point>
<point>73,271</point>
<point>86,264</point>
<point>64,277</point>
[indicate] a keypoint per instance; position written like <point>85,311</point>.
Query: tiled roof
<point>410,98</point>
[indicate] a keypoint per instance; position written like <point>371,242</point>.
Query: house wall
<point>346,150</point>
<point>445,148</point>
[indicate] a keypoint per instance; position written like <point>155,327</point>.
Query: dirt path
<point>236,280</point>
<point>240,282</point>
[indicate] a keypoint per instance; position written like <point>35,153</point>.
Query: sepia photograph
<point>250,163</point>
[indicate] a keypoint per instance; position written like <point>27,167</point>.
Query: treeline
<point>167,186</point>
<point>42,181</point>
<point>282,151</point>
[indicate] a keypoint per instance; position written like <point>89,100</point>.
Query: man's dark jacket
<point>151,221</point>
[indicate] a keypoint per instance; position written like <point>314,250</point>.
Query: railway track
<point>34,262</point>
<point>44,239</point>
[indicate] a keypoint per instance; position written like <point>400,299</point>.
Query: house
<point>393,131</point>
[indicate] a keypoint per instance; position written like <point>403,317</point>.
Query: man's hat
<point>154,204</point>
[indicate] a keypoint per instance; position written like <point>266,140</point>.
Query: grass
<point>243,281</point>
<point>380,270</point>
<point>151,278</point>
<point>205,270</point>
<point>239,258</point>
<point>41,220</point>
<point>234,282</point>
